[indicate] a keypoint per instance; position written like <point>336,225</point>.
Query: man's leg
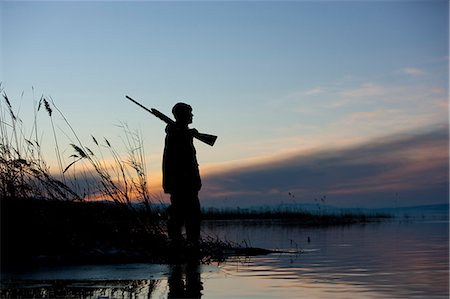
<point>174,222</point>
<point>193,218</point>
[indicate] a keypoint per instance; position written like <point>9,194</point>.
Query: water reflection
<point>120,289</point>
<point>182,279</point>
<point>185,280</point>
<point>85,281</point>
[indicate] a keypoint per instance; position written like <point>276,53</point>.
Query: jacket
<point>180,167</point>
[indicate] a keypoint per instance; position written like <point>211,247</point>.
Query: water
<point>395,259</point>
<point>387,260</point>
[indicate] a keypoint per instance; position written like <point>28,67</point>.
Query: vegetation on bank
<point>300,216</point>
<point>50,217</point>
<point>49,231</point>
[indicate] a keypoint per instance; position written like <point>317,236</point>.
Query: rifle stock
<point>206,138</point>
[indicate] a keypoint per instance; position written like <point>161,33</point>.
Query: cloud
<point>364,91</point>
<point>413,164</point>
<point>89,184</point>
<point>412,71</point>
<point>369,115</point>
<point>314,91</point>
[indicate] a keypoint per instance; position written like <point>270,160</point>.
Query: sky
<point>343,100</point>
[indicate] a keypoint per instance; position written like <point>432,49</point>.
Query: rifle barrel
<point>139,104</point>
<point>162,116</point>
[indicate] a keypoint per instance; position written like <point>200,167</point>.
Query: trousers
<point>184,211</point>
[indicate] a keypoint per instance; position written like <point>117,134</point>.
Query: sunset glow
<point>343,99</point>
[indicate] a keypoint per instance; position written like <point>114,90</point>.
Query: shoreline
<point>44,232</point>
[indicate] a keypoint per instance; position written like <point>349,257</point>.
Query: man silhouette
<point>181,177</point>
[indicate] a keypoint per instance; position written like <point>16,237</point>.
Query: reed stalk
<point>23,171</point>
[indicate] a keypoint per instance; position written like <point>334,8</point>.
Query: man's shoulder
<point>173,129</point>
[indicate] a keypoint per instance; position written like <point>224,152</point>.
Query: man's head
<point>183,113</point>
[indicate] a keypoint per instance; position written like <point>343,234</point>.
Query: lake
<point>394,259</point>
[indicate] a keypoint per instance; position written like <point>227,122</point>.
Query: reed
<point>124,181</point>
<point>24,172</point>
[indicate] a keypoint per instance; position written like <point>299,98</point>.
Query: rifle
<point>206,138</point>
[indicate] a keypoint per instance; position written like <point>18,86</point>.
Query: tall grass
<point>24,172</point>
<point>124,180</point>
<point>99,174</point>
